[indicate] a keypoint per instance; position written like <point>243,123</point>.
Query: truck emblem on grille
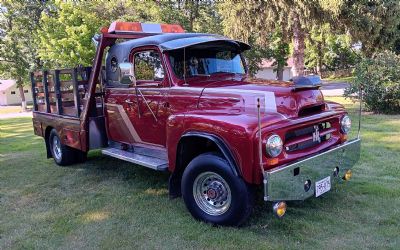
<point>315,135</point>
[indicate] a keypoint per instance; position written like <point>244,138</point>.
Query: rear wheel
<point>212,193</point>
<point>62,154</point>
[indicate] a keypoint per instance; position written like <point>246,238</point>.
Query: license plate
<point>322,186</point>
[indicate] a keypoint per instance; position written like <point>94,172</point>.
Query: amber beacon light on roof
<point>136,27</point>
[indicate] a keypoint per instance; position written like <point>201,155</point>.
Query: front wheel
<point>213,193</point>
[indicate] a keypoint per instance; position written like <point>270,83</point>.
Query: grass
<point>106,203</point>
<point>348,79</point>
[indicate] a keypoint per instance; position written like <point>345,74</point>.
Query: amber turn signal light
<point>347,175</point>
<point>343,138</point>
<point>279,209</point>
<point>272,161</point>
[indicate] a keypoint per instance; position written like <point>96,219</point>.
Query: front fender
<point>236,138</point>
<point>222,145</point>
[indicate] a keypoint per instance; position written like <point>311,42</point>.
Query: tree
<point>379,79</point>
<point>278,49</point>
<point>19,19</point>
<point>65,37</point>
<point>254,57</point>
<point>245,19</point>
<point>329,51</point>
<point>66,32</point>
<point>375,24</point>
<point>316,47</point>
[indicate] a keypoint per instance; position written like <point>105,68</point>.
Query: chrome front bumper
<point>287,182</point>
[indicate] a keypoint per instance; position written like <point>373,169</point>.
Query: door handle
<point>128,102</point>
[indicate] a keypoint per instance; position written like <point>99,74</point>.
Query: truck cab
<point>183,102</point>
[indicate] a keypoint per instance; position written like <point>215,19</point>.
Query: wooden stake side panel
<point>60,92</point>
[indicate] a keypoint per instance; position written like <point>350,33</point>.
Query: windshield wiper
<point>219,72</point>
<point>201,75</point>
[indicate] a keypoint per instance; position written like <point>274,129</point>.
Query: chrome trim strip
<point>126,120</point>
<point>268,96</point>
<point>286,183</point>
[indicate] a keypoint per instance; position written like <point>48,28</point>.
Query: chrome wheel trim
<point>56,146</point>
<point>212,193</point>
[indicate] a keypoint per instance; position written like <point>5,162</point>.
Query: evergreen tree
<point>376,24</point>
<point>373,23</point>
<point>253,17</point>
<point>329,51</point>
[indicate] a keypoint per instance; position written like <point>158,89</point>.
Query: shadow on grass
<point>99,168</point>
<point>105,167</point>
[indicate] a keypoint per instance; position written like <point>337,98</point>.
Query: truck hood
<point>243,96</point>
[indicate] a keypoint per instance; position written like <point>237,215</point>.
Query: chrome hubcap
<point>57,147</point>
<point>212,193</point>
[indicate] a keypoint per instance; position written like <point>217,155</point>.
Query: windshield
<point>206,60</point>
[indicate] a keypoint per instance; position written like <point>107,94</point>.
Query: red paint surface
<point>222,105</point>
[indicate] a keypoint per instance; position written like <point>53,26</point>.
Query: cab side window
<point>148,66</point>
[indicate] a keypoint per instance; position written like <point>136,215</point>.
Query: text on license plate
<point>322,186</point>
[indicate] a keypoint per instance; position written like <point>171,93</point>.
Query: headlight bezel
<point>345,124</point>
<point>274,145</point>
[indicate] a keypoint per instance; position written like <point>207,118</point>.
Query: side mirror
<point>126,73</point>
<point>95,40</point>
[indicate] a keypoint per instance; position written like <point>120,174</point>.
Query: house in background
<point>9,93</point>
<point>267,70</point>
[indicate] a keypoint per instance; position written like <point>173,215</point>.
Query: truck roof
<point>171,41</point>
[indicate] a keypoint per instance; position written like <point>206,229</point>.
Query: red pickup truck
<point>184,103</point>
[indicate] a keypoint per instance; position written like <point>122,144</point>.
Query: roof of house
<point>6,84</point>
<point>268,63</point>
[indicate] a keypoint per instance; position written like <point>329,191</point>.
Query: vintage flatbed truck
<point>183,102</point>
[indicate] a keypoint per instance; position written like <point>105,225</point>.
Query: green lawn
<point>348,79</point>
<point>107,203</point>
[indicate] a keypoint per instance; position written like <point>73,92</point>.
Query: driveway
<point>333,88</point>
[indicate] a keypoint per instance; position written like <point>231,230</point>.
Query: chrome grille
<point>308,137</point>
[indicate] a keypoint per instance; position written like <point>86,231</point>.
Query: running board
<point>143,160</point>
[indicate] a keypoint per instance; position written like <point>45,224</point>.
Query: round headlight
<point>345,124</point>
<point>274,145</point>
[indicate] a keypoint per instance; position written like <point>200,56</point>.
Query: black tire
<point>62,154</point>
<point>241,195</point>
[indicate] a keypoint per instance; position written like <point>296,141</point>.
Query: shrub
<point>379,78</point>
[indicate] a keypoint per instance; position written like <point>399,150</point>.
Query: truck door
<point>137,115</point>
<point>150,115</point>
